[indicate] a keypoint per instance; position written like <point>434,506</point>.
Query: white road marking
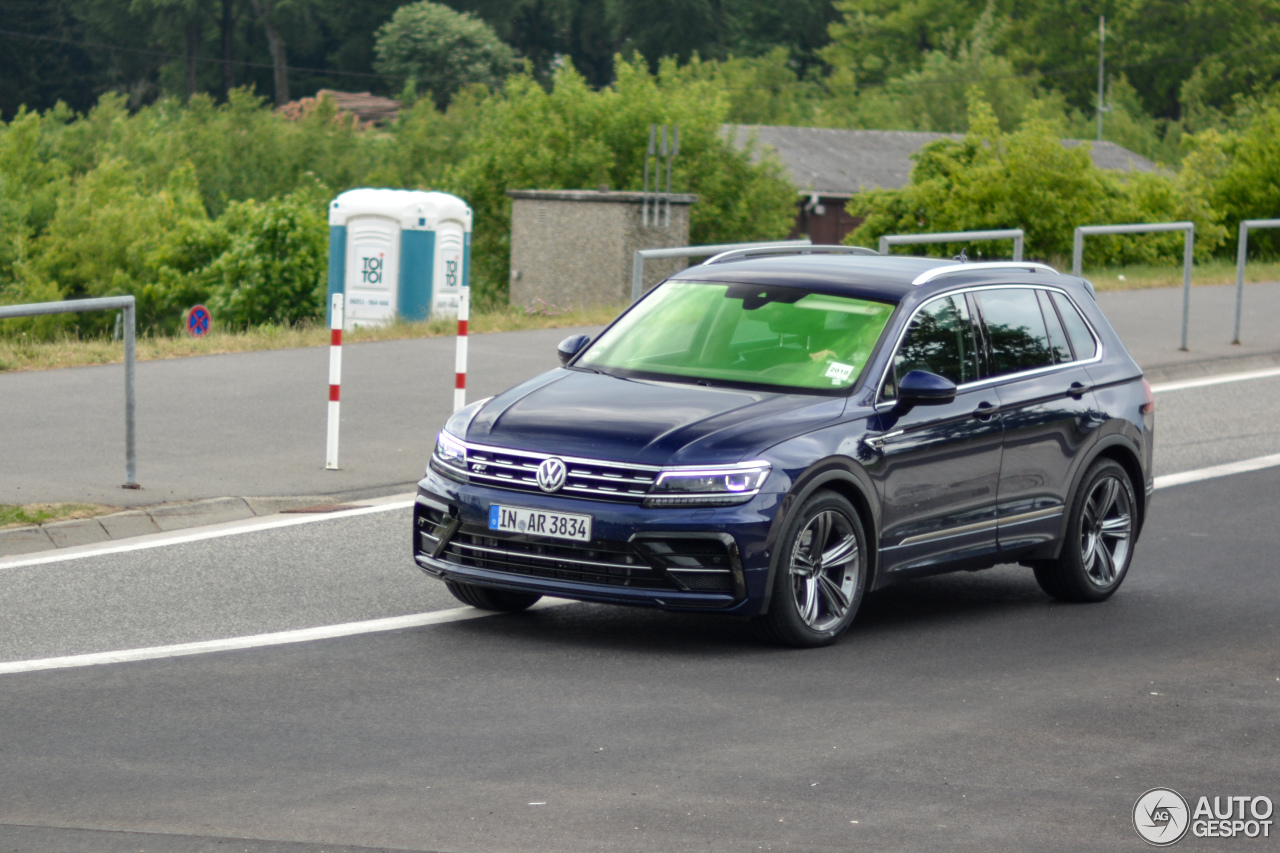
<point>1242,467</point>
<point>160,540</point>
<point>1215,380</point>
<point>279,638</point>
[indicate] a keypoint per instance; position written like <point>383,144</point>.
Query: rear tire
<point>1101,532</point>
<point>487,598</point>
<point>820,577</point>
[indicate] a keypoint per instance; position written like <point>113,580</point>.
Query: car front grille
<point>591,478</point>
<point>687,562</point>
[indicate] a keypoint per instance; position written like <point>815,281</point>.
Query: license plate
<point>538,522</point>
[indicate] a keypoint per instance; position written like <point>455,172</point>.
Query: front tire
<point>1101,532</point>
<point>487,598</point>
<point>820,576</point>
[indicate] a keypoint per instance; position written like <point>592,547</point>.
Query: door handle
<point>1078,390</point>
<point>985,411</point>
<point>876,442</point>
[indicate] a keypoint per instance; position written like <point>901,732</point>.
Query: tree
<point>36,69</point>
<point>265,10</point>
<point>441,50</point>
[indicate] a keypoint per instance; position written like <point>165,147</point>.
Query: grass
<point>13,515</point>
<point>20,353</point>
<point>1144,277</point>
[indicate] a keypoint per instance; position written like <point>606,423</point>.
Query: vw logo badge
<point>551,474</point>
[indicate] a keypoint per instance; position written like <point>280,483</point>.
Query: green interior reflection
<point>743,333</point>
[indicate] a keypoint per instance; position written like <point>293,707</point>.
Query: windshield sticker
<point>838,372</point>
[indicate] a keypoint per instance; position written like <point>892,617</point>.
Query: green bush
<point>1028,179</point>
<point>1239,173</point>
<point>112,236</point>
<point>274,269</point>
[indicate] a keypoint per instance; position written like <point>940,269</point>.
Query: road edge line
<point>160,540</point>
<point>255,641</point>
<point>1244,466</point>
<point>1223,379</point>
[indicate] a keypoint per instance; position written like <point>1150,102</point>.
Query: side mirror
<point>573,345</point>
<point>922,388</point>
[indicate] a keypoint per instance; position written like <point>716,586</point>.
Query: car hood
<point>593,415</point>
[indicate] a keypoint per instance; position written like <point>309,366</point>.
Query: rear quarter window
<point>1082,340</point>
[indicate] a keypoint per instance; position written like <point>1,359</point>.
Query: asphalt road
<point>963,712</point>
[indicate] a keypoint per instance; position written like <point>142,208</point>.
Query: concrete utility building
<point>829,166</point>
<point>573,248</point>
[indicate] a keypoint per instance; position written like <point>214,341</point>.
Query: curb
<point>164,518</point>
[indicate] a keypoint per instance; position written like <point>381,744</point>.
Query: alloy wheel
<point>824,566</point>
<point>1106,531</point>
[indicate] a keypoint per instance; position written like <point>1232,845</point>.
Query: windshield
<point>740,333</point>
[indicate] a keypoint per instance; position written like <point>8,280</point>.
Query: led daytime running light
<point>730,480</point>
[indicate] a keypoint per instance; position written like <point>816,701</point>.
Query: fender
<point>849,475</point>
<point>1114,439</point>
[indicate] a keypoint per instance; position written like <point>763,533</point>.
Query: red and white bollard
<point>460,367</point>
<point>335,380</point>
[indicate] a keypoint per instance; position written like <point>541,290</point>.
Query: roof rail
<point>740,254</point>
<point>1025,266</point>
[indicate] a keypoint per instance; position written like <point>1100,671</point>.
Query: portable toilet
<point>396,253</point>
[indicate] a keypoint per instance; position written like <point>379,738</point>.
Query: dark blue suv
<point>771,435</point>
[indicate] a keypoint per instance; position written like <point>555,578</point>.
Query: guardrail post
<point>1189,228</point>
<point>1017,247</point>
<point>130,396</point>
<point>129,306</point>
<point>637,275</point>
<point>1188,249</point>
<point>1242,254</point>
<point>1242,250</point>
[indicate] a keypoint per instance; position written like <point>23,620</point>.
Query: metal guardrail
<point>1077,254</point>
<point>1017,235</point>
<point>637,263</point>
<point>110,303</point>
<point>1243,250</point>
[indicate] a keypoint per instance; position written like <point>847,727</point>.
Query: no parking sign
<point>198,320</point>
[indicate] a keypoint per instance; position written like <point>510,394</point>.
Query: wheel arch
<point>1123,451</point>
<point>846,478</point>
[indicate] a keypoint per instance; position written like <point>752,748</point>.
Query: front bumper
<point>704,559</point>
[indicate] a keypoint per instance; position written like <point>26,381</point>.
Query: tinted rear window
<point>1015,330</point>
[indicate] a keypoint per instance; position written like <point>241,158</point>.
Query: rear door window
<point>1015,328</point>
<point>1082,340</point>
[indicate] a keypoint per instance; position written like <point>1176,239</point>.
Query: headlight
<point>450,457</point>
<point>720,485</point>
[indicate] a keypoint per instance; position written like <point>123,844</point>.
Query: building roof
<point>839,163</point>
